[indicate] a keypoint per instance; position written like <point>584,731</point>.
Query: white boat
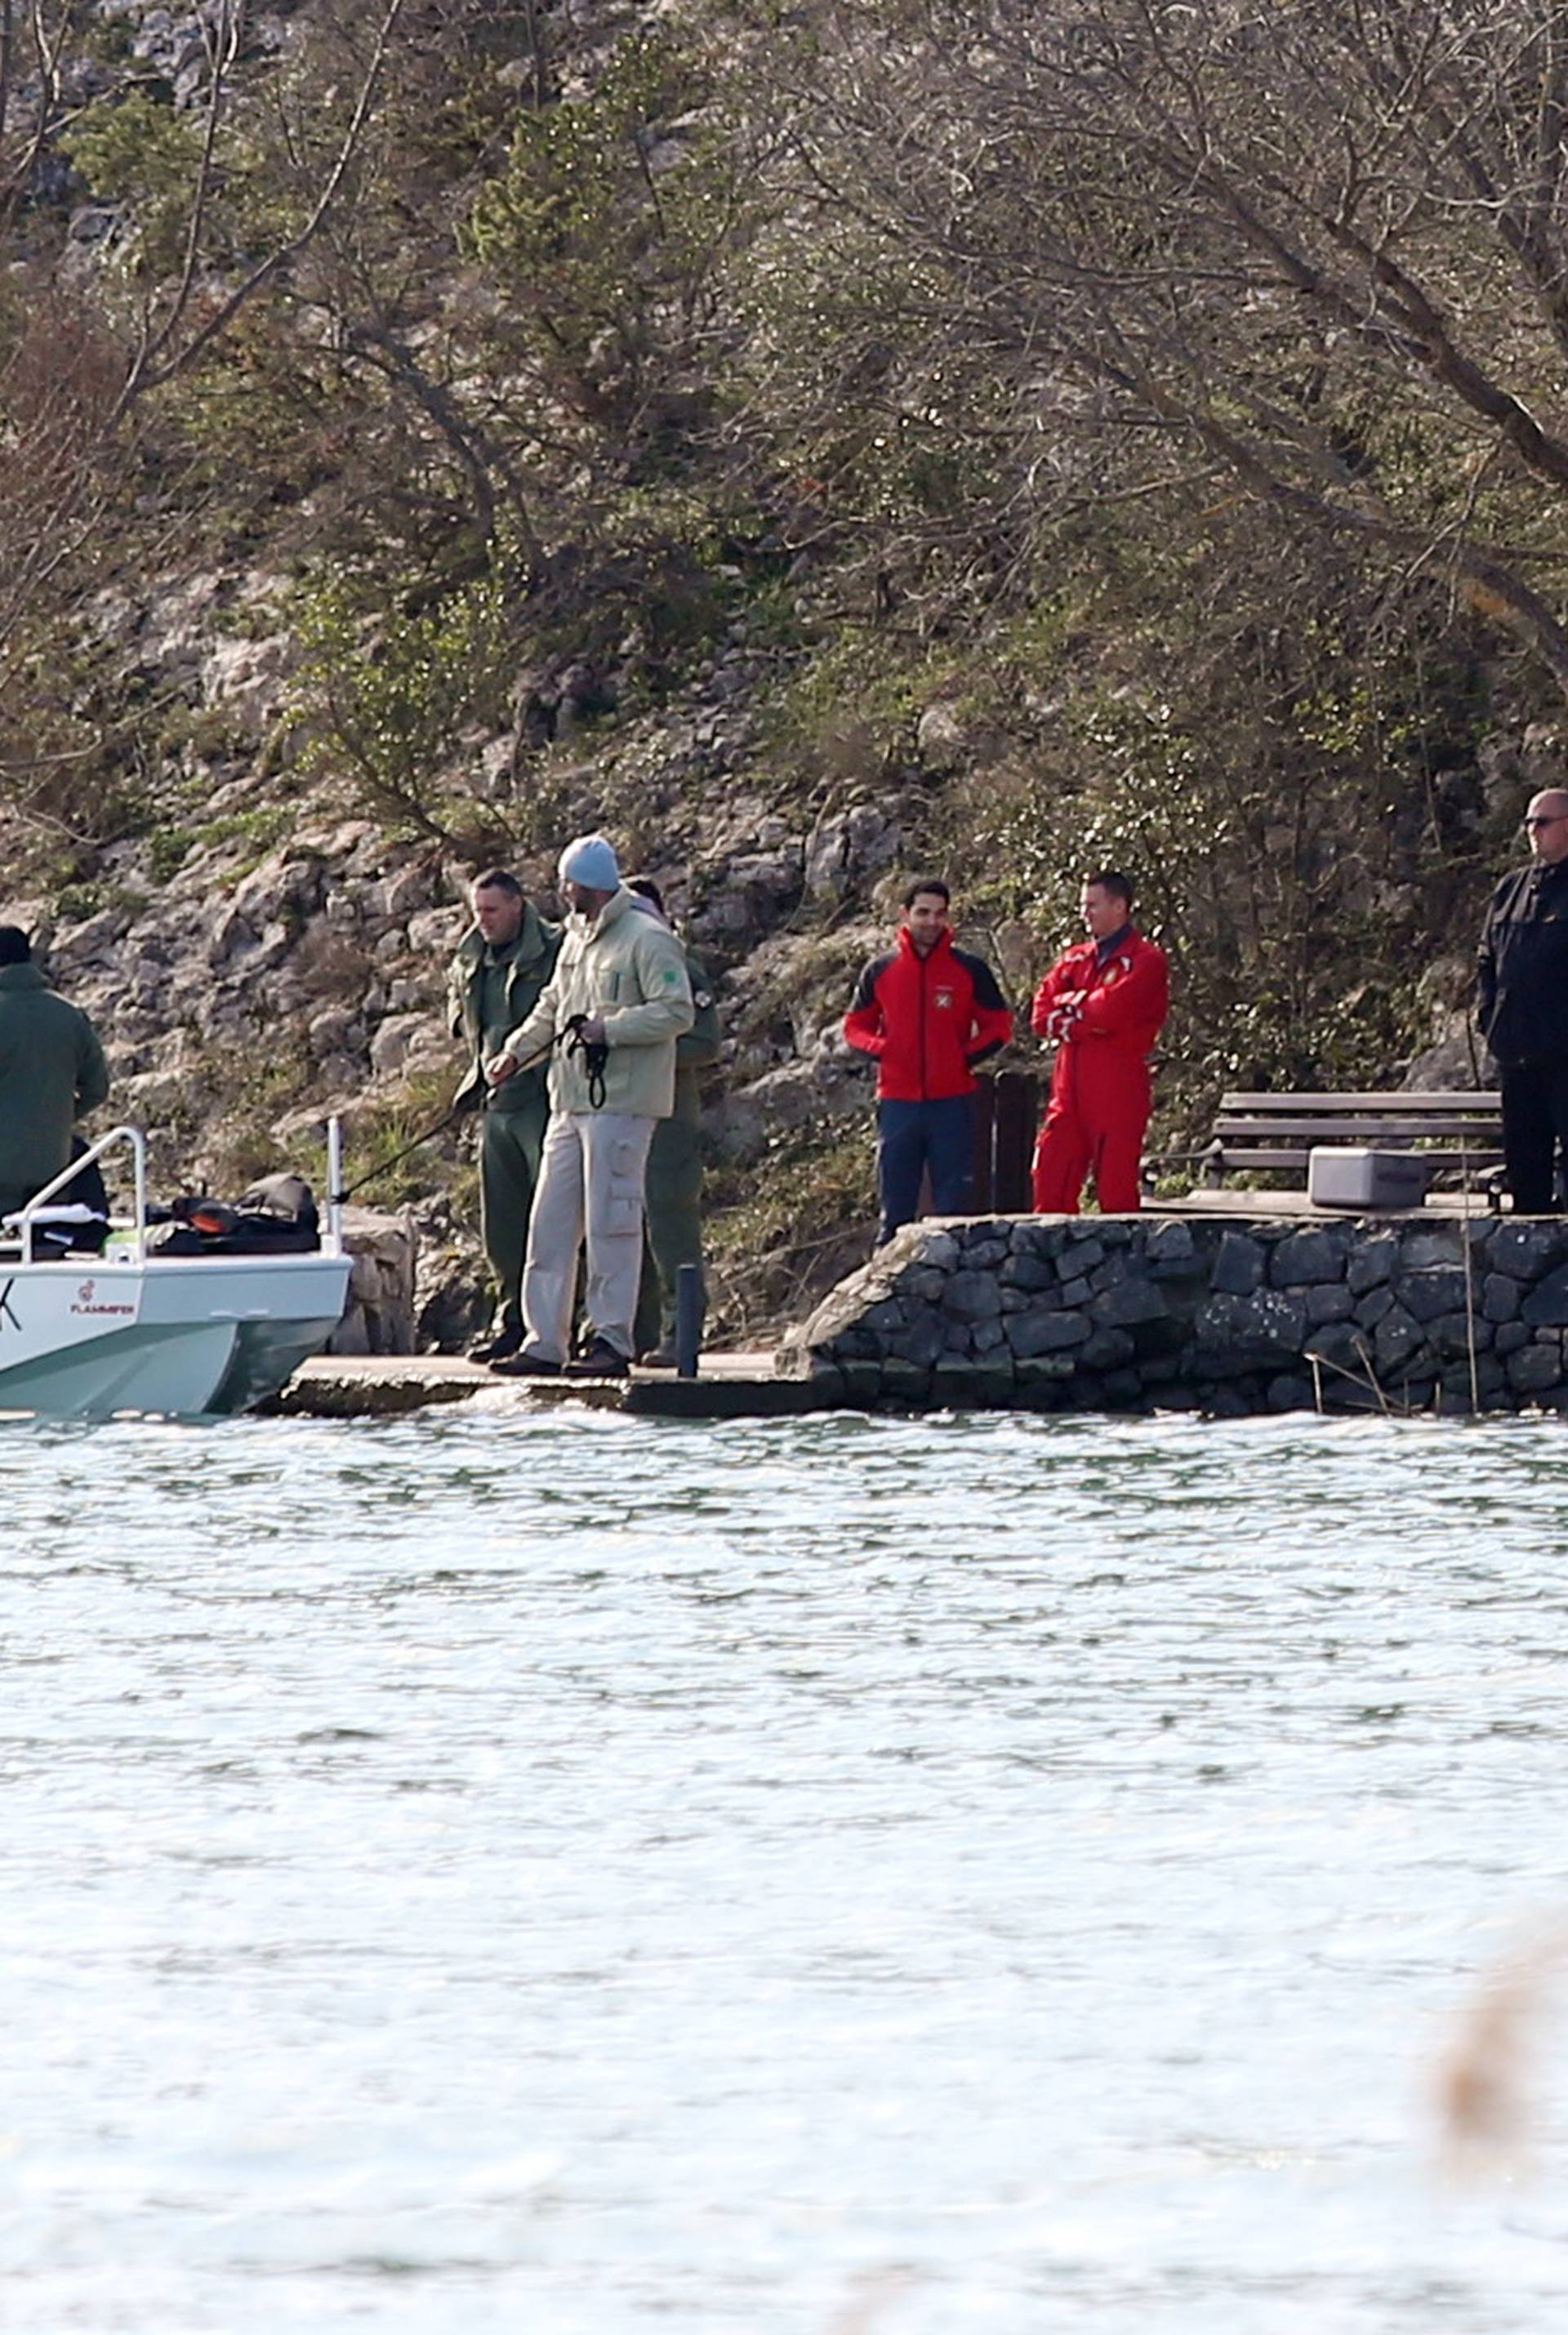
<point>133,1331</point>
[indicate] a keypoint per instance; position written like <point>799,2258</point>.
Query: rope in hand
<point>595,1057</point>
<point>470,1099</point>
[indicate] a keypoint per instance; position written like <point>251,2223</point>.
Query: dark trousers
<point>509,1151</point>
<point>1534,1134</point>
<point>914,1137</point>
<point>672,1227</point>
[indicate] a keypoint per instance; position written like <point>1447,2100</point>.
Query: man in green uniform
<point>52,1073</point>
<point>672,1193</point>
<point>494,984</point>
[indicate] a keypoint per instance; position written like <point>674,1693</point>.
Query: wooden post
<point>1016,1109</point>
<point>982,1176</point>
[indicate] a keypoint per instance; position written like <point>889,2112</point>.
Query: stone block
<point>921,1284</point>
<point>1073,1293</point>
<point>1239,1266</point>
<point>1026,1271</point>
<point>1329,1301</point>
<point>940,1251</point>
<point>1123,1389</point>
<point>919,1341</point>
<point>1153,1338</point>
<point>1510,1337</point>
<point>1080,1253</point>
<point>1398,1336</point>
<point>861,1381</point>
<point>1170,1253</point>
<point>1419,1251</point>
<point>1108,1275</point>
<point>1127,1303</point>
<point>1040,1238</point>
<point>1339,1345</point>
<point>1371,1263</point>
<point>992,1384</point>
<point>1490,1377</point>
<point>1032,1370</point>
<point>1285,1394</point>
<point>1547,1304</point>
<point>985,1255</point>
<point>971,1296</point>
<point>840,1311</point>
<point>1534,1368</point>
<point>1045,1333</point>
<point>1159,1370</point>
<point>905,1382</point>
<point>1432,1290</point>
<point>1236,1334</point>
<point>1315,1254</point>
<point>1231,1403</point>
<point>985,1335</point>
<point>1450,1333</point>
<point>1106,1350</point>
<point>1500,1297</point>
<point>1524,1251</point>
<point>886,1315</point>
<point>1371,1308</point>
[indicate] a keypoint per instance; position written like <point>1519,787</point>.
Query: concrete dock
<point>385,1386</point>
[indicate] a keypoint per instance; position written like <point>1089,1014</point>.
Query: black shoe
<point>661,1358</point>
<point>526,1366</point>
<point>497,1349</point>
<point>601,1360</point>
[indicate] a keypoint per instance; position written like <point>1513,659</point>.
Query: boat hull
<point>93,1340</point>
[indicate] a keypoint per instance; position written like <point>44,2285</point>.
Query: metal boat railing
<point>332,1235</point>
<point>136,1225</point>
<point>135,1252</point>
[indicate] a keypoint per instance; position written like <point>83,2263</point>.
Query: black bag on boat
<point>276,1217</point>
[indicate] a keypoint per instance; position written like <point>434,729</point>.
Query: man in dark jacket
<point>928,1013</point>
<point>52,1073</point>
<point>1522,1005</point>
<point>494,984</point>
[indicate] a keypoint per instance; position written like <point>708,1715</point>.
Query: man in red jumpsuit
<point>1103,1003</point>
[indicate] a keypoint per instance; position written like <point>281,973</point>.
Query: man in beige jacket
<point>612,1011</point>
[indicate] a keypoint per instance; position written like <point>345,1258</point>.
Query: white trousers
<point>590,1187</point>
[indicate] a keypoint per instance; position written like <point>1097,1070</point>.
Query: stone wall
<point>378,1315</point>
<point>1224,1315</point>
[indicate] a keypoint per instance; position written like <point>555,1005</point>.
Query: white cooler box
<point>1349,1177</point>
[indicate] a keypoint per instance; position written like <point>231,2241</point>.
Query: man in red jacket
<point>928,1013</point>
<point>1103,1003</point>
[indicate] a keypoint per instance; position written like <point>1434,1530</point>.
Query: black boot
<point>601,1360</point>
<point>497,1349</point>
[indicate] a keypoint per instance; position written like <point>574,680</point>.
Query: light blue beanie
<point>592,861</point>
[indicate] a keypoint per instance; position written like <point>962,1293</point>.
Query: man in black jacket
<point>1522,1000</point>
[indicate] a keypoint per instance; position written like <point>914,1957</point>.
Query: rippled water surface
<point>588,1877</point>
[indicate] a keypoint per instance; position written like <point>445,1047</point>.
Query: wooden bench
<point>1456,1133</point>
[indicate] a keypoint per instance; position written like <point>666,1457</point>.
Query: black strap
<point>596,1060</point>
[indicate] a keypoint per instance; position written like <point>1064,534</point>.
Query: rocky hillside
<point>433,431</point>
